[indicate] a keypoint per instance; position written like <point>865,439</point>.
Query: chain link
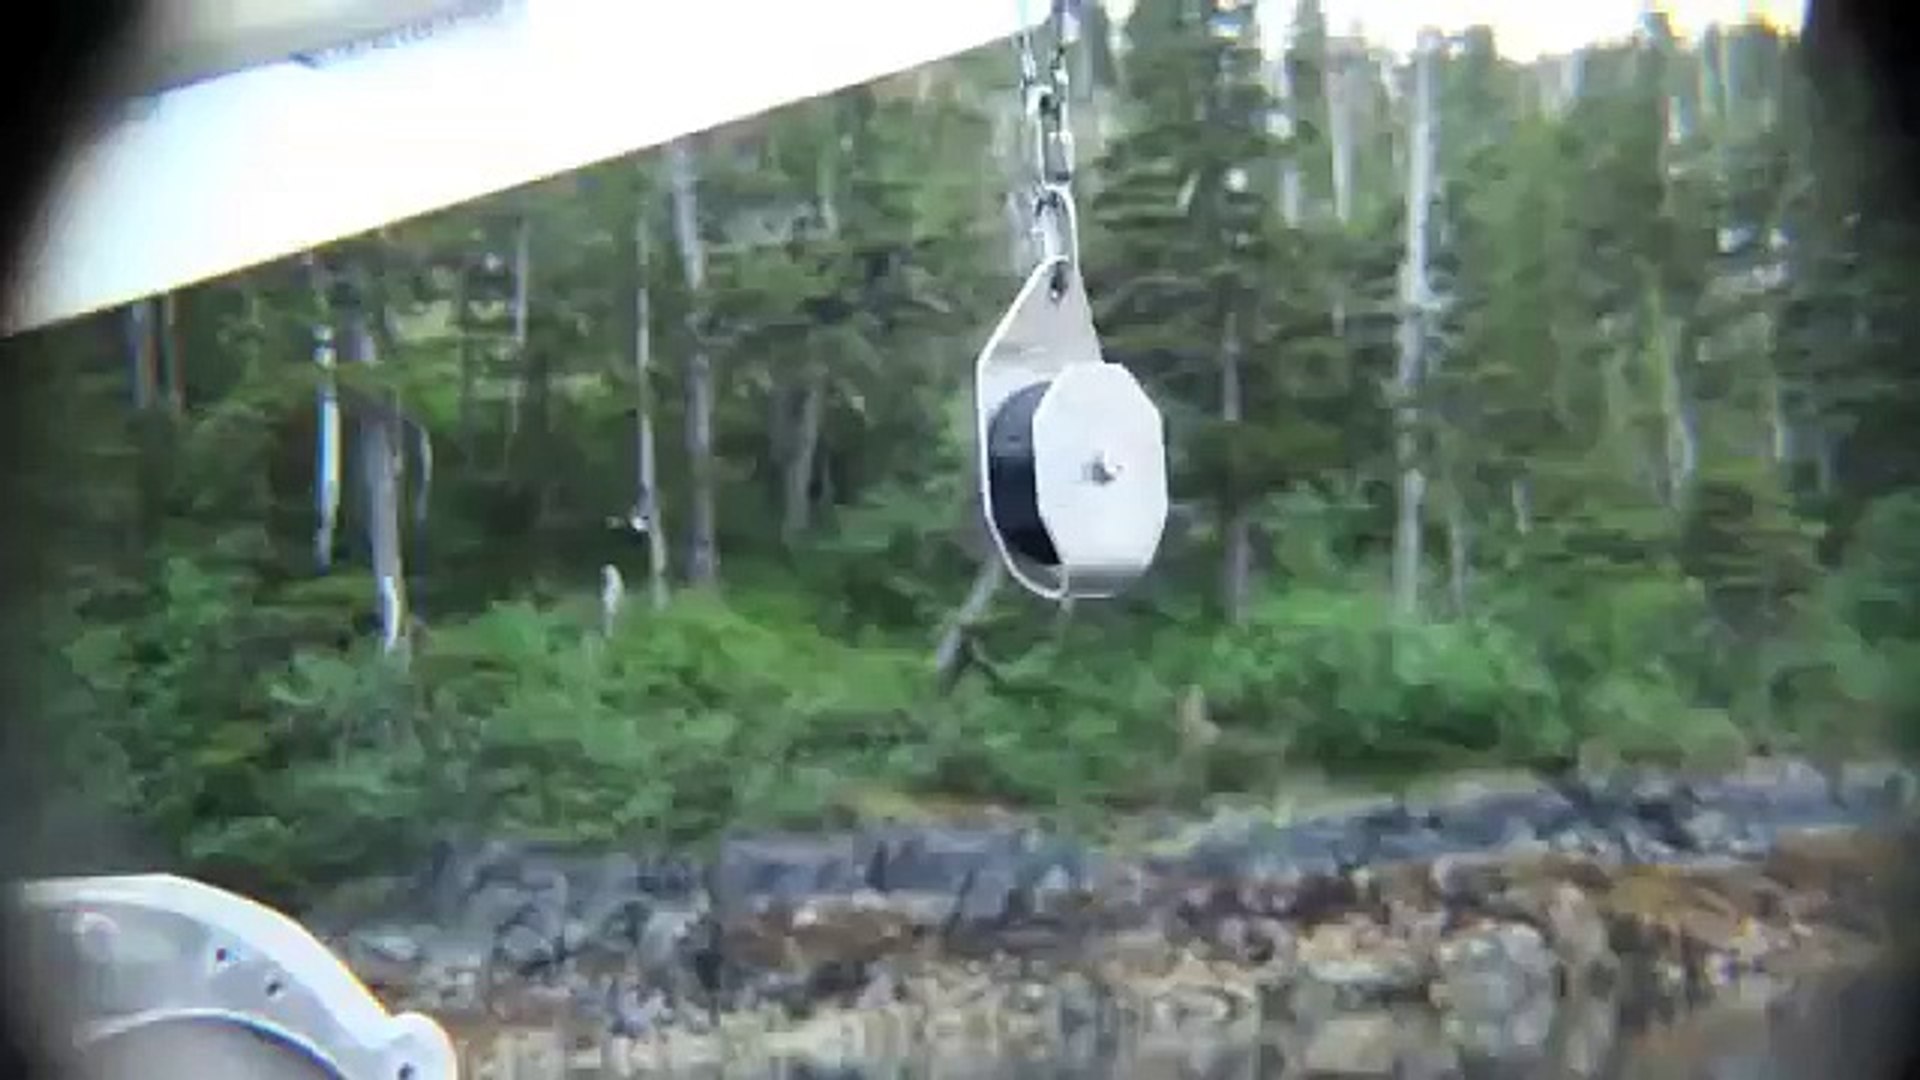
<point>1045,96</point>
<point>1044,99</point>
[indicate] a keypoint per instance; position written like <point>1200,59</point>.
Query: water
<point>1755,1031</point>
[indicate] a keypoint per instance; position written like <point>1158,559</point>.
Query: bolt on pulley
<point>1073,471</point>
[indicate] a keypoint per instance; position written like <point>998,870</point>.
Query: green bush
<point>1351,685</point>
<point>1877,587</point>
<point>222,715</point>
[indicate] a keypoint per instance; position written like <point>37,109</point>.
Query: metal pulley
<point>1073,464</point>
<point>1072,451</point>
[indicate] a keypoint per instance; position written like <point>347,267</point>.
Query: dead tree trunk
<point>801,458</point>
<point>950,655</point>
<point>142,371</point>
<point>1336,81</point>
<point>326,439</point>
<point>1236,583</point>
<point>522,309</point>
<point>172,364</point>
<point>379,442</point>
<point>1412,336</point>
<point>647,498</point>
<point>703,554</point>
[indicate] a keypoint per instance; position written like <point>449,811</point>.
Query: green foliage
<point>1879,579</point>
<point>1670,492</point>
<point>1349,684</point>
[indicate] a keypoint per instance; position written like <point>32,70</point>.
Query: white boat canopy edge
<point>212,177</point>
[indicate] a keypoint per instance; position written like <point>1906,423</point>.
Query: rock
<point>753,871</point>
<point>1496,823</point>
<point>1351,965</point>
<point>1781,791</point>
<point>662,936</point>
<point>1877,788</point>
<point>1378,1044</point>
<point>1055,892</point>
<point>1265,850</point>
<point>384,952</point>
<point>883,990</point>
<point>451,979</point>
<point>633,1012</point>
<point>1589,1033</point>
<point>1081,1004</point>
<point>1707,830</point>
<point>1467,880</point>
<point>1363,1045</point>
<point>1131,955</point>
<point>1477,899</point>
<point>612,910</point>
<point>1255,941</point>
<point>928,859</point>
<point>1579,933</point>
<point>1495,987</point>
<point>525,949</point>
<point>491,908</point>
<point>1493,970</point>
<point>989,895</point>
<point>1510,1043</point>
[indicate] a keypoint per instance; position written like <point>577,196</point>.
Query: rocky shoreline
<point>1485,921</point>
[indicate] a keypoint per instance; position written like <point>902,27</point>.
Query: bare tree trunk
<point>1676,406</point>
<point>1087,130</point>
<point>138,345</point>
<point>1236,530</point>
<point>1337,86</point>
<point>803,458</point>
<point>522,308</point>
<point>1291,194</point>
<point>143,374</point>
<point>950,654</point>
<point>1459,552</point>
<point>1825,463</point>
<point>1730,89</point>
<point>463,348</point>
<point>1336,83</point>
<point>423,472</point>
<point>703,556</point>
<point>613,596</point>
<point>826,187</point>
<point>326,488</point>
<point>1412,338</point>
<point>647,498</point>
<point>1454,452</point>
<point>783,418</point>
<point>326,448</point>
<point>379,461</point>
<point>172,366</point>
<point>1673,339</point>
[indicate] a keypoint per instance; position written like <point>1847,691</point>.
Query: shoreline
<point>1478,912</point>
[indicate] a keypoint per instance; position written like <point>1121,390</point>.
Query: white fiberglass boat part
<point>282,126</point>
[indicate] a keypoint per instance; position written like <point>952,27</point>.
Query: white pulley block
<point>162,977</point>
<point>1073,465</point>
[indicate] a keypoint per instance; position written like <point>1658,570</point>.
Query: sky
<point>1524,28</point>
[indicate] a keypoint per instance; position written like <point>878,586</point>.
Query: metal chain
<point>1044,97</point>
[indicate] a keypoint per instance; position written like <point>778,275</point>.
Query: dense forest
<point>1520,413</point>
